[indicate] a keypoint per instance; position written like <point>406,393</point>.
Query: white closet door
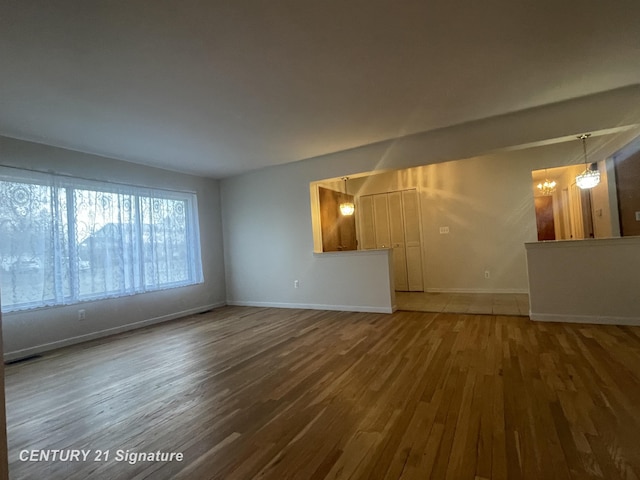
<point>396,229</point>
<point>381,221</point>
<point>367,224</point>
<point>413,245</point>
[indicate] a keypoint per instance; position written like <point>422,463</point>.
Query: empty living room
<point>330,240</point>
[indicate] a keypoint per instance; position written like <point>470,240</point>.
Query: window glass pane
<point>165,248</point>
<point>32,275</point>
<point>64,241</point>
<point>106,241</point>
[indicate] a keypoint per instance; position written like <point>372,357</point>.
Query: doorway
<point>544,218</point>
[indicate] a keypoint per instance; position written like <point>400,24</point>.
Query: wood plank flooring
<point>479,303</point>
<point>261,393</point>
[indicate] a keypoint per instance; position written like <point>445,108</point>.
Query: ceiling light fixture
<point>548,186</point>
<point>591,176</point>
<point>346,208</point>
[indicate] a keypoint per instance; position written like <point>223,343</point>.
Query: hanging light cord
<point>584,137</point>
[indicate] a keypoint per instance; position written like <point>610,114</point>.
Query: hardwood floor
<point>292,394</point>
<point>480,303</point>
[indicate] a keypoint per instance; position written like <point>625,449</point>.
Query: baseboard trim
<point>45,347</point>
<point>477,290</point>
<point>312,306</point>
<point>591,319</point>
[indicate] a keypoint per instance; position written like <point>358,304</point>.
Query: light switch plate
<point>637,216</point>
<point>444,230</point>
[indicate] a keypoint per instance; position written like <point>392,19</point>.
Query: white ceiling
<point>222,87</point>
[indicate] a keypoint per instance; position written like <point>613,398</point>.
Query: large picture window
<point>65,240</point>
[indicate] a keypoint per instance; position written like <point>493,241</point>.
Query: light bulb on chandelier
<point>548,186</point>
<point>591,176</point>
<point>346,208</point>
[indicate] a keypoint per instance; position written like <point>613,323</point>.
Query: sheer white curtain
<point>65,240</point>
<point>29,237</point>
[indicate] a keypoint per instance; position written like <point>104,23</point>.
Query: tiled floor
<point>479,303</point>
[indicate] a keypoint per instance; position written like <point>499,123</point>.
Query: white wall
<point>586,281</point>
<point>267,216</point>
<point>268,243</point>
<point>37,330</point>
<point>487,203</point>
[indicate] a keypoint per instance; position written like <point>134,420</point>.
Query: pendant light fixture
<point>548,186</point>
<point>591,176</point>
<point>346,208</point>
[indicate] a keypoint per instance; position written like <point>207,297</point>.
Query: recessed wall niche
<point>338,230</point>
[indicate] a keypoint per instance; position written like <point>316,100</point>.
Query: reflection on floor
<point>478,303</point>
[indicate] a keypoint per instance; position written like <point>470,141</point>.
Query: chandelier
<point>591,176</point>
<point>548,186</point>
<point>346,208</point>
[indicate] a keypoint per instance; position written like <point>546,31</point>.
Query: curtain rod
<point>77,177</point>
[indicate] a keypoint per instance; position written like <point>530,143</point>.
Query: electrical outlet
<point>444,230</point>
<point>82,315</point>
<point>487,274</point>
<point>296,284</point>
<point>637,216</point>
